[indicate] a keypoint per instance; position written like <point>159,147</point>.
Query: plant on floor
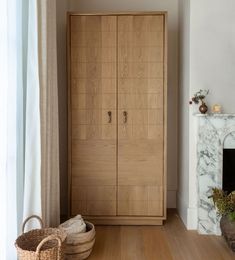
<point>224,203</point>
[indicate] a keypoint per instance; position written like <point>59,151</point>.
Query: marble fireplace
<point>215,133</point>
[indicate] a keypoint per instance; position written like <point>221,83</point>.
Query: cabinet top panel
<point>120,13</point>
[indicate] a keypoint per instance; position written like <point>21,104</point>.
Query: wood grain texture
<point>141,132</point>
<point>126,221</point>
<point>93,115</point>
<point>169,242</point>
<point>124,52</point>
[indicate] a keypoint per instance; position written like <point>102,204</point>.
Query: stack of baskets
<point>43,244</point>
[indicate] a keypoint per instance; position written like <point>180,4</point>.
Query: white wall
<point>209,64</point>
<point>184,43</point>
<point>213,50</point>
<point>212,66</point>
<point>152,5</point>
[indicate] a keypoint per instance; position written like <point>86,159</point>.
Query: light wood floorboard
<point>169,242</point>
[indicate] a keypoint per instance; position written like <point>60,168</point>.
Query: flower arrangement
<point>224,203</point>
<point>199,96</point>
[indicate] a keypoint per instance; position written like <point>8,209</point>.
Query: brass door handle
<point>125,117</point>
<point>110,117</point>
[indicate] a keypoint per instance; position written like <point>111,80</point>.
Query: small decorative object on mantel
<point>200,97</point>
<point>216,109</point>
<point>225,205</point>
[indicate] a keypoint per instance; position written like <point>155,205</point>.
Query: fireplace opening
<point>229,170</point>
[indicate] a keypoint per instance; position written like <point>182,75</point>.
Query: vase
<point>228,231</point>
<point>203,108</point>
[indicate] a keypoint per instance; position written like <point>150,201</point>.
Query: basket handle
<point>27,219</point>
<point>51,237</point>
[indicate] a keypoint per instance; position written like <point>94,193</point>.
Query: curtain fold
<point>49,112</point>
<point>29,154</point>
<point>32,175</point>
<point>9,36</point>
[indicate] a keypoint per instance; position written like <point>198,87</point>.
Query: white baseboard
<point>182,209</point>
<point>188,215</point>
<point>192,218</point>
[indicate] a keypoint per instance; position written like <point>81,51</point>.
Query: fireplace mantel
<point>215,132</point>
<point>215,115</point>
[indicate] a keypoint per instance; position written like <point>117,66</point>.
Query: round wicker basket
<point>81,244</point>
<point>43,244</point>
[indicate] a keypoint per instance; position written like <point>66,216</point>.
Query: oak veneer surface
<point>117,108</point>
<point>93,130</point>
<point>141,131</point>
<point>169,242</point>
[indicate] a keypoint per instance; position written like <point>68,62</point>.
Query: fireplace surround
<point>215,132</point>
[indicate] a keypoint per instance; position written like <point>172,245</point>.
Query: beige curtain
<point>49,112</point>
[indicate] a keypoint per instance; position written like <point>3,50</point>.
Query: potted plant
<point>200,96</point>
<point>225,205</point>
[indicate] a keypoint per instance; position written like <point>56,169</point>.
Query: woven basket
<point>81,244</point>
<point>43,244</point>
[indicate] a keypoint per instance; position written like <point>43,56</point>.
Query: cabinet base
<point>150,221</point>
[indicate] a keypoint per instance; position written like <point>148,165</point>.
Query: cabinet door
<point>140,115</point>
<point>93,114</point>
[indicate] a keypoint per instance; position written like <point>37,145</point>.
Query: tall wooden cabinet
<point>117,117</point>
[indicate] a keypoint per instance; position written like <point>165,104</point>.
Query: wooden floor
<point>171,241</point>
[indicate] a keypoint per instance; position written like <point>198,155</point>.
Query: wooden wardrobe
<point>117,99</point>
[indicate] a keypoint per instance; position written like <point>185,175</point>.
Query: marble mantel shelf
<point>214,115</point>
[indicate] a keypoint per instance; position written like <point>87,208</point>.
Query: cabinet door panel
<point>93,128</point>
<point>140,115</point>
